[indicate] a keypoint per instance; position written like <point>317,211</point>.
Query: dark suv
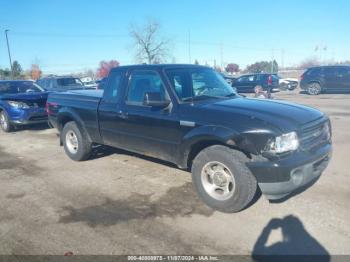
<point>248,83</point>
<point>61,83</point>
<point>320,79</point>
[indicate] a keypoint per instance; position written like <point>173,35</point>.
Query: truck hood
<point>285,116</point>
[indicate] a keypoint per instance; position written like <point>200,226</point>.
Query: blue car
<point>21,103</point>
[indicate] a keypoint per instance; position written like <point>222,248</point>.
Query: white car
<point>288,83</point>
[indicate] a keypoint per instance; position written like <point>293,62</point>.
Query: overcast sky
<point>67,35</point>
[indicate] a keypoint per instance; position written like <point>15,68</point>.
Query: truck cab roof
<point>158,66</point>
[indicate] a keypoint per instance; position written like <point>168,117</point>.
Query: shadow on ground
<point>20,165</point>
<point>33,127</point>
<point>177,201</point>
<point>295,241</point>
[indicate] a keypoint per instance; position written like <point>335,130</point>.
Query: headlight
<point>283,143</point>
<point>17,104</point>
<point>327,130</point>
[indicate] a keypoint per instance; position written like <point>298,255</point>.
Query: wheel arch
<point>67,115</point>
<point>317,82</point>
<point>208,136</point>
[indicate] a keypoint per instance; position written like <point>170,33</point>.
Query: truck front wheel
<point>76,144</point>
<point>222,180</point>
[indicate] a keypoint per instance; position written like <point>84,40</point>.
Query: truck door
<point>109,111</point>
<point>152,131</point>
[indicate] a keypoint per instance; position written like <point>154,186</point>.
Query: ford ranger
<point>188,115</point>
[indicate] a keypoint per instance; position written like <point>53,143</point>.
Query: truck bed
<point>79,94</point>
<point>82,103</point>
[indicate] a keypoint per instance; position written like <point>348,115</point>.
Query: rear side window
<point>111,92</point>
<point>275,78</point>
<point>314,71</point>
<point>336,71</point>
<point>250,78</point>
<point>70,81</point>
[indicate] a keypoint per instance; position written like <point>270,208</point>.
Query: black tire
<point>314,89</point>
<point>245,185</point>
<point>83,148</point>
<point>5,124</point>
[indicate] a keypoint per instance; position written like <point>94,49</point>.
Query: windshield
<point>71,81</point>
<point>198,83</point>
<point>17,87</point>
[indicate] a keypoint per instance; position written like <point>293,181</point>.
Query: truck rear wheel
<point>222,180</point>
<point>5,122</point>
<point>75,142</point>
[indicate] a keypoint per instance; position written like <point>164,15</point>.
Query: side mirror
<point>154,99</point>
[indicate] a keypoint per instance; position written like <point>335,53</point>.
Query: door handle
<point>122,115</point>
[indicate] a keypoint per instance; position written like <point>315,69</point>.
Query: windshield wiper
<point>196,98</point>
<point>231,95</point>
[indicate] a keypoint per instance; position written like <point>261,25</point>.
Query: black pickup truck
<point>190,116</point>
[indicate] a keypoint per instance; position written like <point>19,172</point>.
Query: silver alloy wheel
<point>218,180</point>
<point>314,89</point>
<point>72,142</point>
<point>3,121</point>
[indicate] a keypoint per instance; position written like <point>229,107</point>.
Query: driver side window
<point>142,82</point>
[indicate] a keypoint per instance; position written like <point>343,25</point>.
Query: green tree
<point>263,67</point>
<point>5,73</point>
<point>16,69</point>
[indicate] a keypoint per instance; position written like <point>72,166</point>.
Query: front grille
<point>315,134</point>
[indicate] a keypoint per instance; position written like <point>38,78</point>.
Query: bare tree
<point>35,72</point>
<point>309,62</point>
<point>149,44</point>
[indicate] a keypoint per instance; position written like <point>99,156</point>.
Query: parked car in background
<point>249,83</point>
<point>21,103</point>
<point>317,80</point>
<point>229,79</point>
<point>61,83</point>
<point>288,83</point>
<point>88,82</point>
<point>100,84</point>
<point>188,115</point>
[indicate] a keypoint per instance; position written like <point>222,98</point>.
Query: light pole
<point>8,50</point>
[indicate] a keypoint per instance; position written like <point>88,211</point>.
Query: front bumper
<point>28,116</point>
<point>279,178</point>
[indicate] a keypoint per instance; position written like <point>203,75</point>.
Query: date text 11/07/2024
<point>173,258</point>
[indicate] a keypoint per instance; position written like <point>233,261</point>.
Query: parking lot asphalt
<point>121,203</point>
